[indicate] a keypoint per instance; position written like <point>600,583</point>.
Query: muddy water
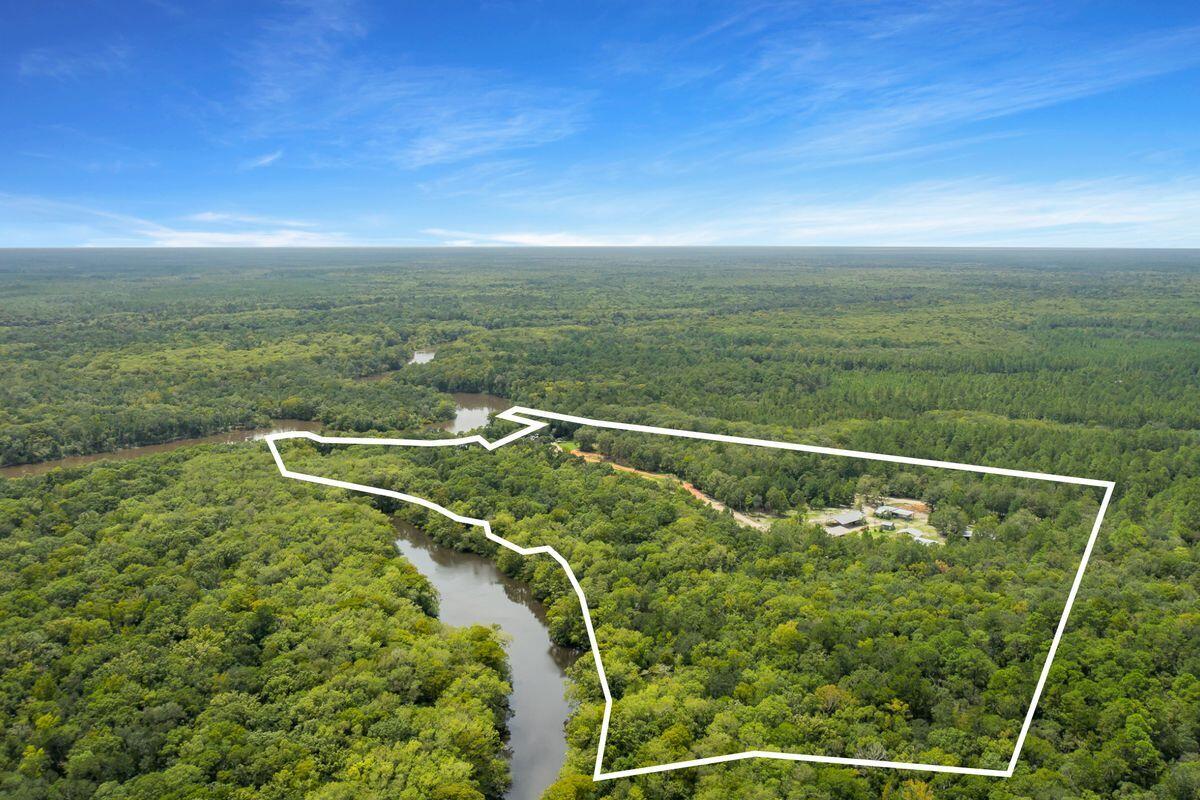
<point>422,357</point>
<point>472,410</point>
<point>475,592</point>
<point>229,437</point>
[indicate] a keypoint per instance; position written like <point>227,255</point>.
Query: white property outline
<point>519,415</point>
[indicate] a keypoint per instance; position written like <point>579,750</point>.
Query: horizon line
<point>168,248</point>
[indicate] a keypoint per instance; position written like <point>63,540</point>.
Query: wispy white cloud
<point>261,161</point>
<point>72,148</point>
<point>73,64</point>
<point>452,238</point>
<point>483,176</point>
<point>982,211</point>
<point>978,212</point>
<point>797,86</point>
<point>788,91</point>
<point>910,105</point>
<point>286,237</point>
<point>782,123</point>
<point>533,239</point>
<point>99,164</point>
<point>89,226</point>
<point>306,81</point>
<point>224,217</point>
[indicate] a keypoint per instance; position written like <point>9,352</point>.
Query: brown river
<point>472,591</point>
<point>472,410</point>
<point>228,437</point>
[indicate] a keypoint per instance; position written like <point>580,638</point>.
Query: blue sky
<point>324,123</point>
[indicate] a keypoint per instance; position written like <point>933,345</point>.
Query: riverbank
<point>473,591</point>
<point>471,410</point>
<point>419,357</point>
<point>227,437</point>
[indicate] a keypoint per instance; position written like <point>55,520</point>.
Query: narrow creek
<point>474,591</point>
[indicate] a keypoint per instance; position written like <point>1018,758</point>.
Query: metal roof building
<point>893,511</point>
<point>847,519</point>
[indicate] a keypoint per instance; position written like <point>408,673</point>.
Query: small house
<point>913,532</point>
<point>838,530</point>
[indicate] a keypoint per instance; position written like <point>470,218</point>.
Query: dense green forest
<point>718,638</point>
<point>192,627</point>
<point>1077,363</point>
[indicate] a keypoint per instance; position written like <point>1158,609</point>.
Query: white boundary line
<point>520,415</point>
